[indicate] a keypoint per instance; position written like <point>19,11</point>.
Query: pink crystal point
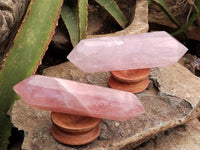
<point>145,50</point>
<point>59,95</point>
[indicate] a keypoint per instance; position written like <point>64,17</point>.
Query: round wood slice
<point>134,81</point>
<point>74,130</point>
<point>130,76</point>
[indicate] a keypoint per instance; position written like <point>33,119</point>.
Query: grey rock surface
<point>165,109</point>
<point>184,137</point>
<point>11,15</point>
<point>180,82</point>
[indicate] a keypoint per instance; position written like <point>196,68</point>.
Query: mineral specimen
<point>145,50</point>
<point>59,95</point>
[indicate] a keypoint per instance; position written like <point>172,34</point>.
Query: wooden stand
<point>134,81</point>
<point>74,130</point>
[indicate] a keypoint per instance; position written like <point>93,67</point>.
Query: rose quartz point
<point>127,52</point>
<point>60,95</point>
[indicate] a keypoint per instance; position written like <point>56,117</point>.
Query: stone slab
<point>184,137</point>
<point>178,81</point>
<point>165,109</point>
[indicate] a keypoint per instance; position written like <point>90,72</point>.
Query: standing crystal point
<point>139,51</point>
<point>59,95</point>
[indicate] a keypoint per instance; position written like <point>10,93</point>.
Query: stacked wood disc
<point>74,130</point>
<point>134,81</point>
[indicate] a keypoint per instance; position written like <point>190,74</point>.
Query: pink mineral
<point>59,95</point>
<point>145,50</point>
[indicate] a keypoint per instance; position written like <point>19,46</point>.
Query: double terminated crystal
<point>59,95</point>
<point>146,50</point>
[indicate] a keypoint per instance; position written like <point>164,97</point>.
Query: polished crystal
<point>60,95</point>
<point>138,51</point>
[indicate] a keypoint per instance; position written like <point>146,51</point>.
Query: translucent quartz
<point>138,51</point>
<point>59,95</point>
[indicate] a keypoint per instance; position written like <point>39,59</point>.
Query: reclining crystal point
<point>60,95</point>
<point>138,51</point>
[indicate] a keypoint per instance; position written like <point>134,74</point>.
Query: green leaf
<point>149,1</point>
<point>29,46</point>
<point>83,13</point>
<point>114,10</point>
<point>191,20</point>
<point>167,11</point>
<point>71,19</point>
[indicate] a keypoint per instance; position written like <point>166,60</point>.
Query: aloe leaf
<point>149,1</point>
<point>24,57</point>
<point>70,17</point>
<point>166,9</point>
<point>191,20</point>
<point>114,10</point>
<point>83,13</point>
